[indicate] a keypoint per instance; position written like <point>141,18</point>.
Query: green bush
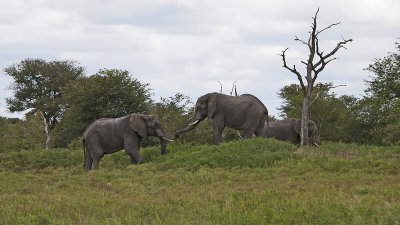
<point>242,153</point>
<point>250,153</point>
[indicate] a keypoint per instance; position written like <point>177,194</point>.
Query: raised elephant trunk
<point>187,129</point>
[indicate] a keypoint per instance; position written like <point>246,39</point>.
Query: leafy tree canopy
<point>110,93</point>
<point>380,109</point>
<point>37,85</point>
<point>37,88</point>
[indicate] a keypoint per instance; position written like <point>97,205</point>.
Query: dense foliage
<point>380,108</point>
<point>37,88</point>
<point>16,134</point>
<point>106,94</point>
<point>330,112</point>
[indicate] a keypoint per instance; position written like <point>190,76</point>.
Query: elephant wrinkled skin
<point>244,112</point>
<point>289,130</point>
<point>109,135</point>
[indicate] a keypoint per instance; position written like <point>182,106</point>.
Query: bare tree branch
<point>338,46</point>
<point>340,85</point>
<point>297,39</point>
<point>313,69</point>
<point>220,84</point>
<point>292,70</point>
<point>315,99</point>
<point>318,93</point>
<point>328,27</point>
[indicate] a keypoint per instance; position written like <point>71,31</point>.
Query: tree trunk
<point>46,130</point>
<point>304,121</point>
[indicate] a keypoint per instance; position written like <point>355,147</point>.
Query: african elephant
<point>289,130</point>
<point>244,112</point>
<point>109,135</point>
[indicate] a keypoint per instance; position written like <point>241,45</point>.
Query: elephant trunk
<point>314,140</point>
<point>187,129</point>
<point>163,143</point>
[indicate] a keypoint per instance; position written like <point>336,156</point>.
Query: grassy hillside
<point>257,181</point>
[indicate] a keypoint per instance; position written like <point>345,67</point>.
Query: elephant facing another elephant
<point>109,135</point>
<point>289,130</point>
<point>245,112</point>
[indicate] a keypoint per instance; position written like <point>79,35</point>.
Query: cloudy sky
<point>187,46</point>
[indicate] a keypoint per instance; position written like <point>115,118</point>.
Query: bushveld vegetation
<point>254,181</point>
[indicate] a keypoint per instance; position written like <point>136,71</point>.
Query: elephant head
<point>313,136</point>
<point>205,107</point>
<point>149,125</point>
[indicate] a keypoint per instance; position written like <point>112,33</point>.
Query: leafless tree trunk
<point>46,130</point>
<point>313,68</point>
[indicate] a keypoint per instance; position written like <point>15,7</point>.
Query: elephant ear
<point>297,126</point>
<point>212,105</point>
<point>138,124</point>
<point>311,125</point>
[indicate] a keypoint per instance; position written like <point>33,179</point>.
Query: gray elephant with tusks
<point>289,130</point>
<point>109,135</point>
<point>244,112</point>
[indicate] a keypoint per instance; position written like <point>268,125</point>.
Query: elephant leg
<point>88,161</point>
<point>136,158</point>
<point>218,127</point>
<point>132,149</point>
<point>97,154</point>
<point>96,160</point>
<point>259,132</point>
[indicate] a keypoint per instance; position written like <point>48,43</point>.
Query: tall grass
<point>257,181</point>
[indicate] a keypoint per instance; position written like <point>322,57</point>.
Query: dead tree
<point>316,62</point>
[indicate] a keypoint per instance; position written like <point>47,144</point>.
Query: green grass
<point>257,181</point>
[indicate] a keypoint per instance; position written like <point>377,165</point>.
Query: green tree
<point>331,113</point>
<point>110,93</point>
<point>176,113</point>
<point>37,88</point>
<point>379,109</point>
<point>21,134</point>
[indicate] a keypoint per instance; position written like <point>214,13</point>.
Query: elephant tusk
<point>316,144</point>
<point>167,139</point>
<point>195,122</point>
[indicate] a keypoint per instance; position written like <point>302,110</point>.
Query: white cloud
<point>187,46</point>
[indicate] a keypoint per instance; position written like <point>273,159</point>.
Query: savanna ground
<point>256,181</point>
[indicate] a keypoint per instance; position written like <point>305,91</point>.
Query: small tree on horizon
<point>37,88</point>
<point>316,62</point>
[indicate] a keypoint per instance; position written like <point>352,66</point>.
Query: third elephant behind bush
<point>289,130</point>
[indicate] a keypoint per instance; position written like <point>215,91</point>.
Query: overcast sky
<point>187,46</point>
